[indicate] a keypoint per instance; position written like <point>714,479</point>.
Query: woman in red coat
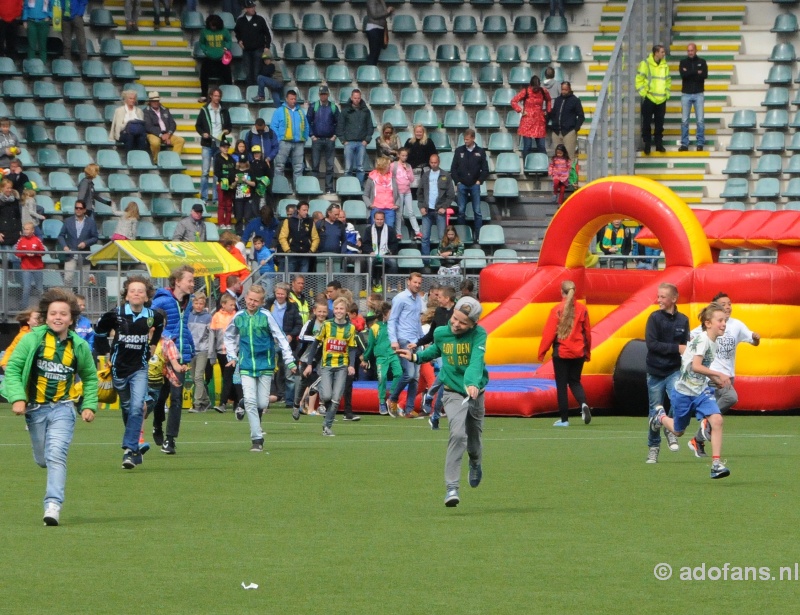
<point>569,333</point>
<point>10,13</point>
<point>534,104</point>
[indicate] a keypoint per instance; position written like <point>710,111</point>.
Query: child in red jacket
<point>29,251</point>
<point>569,333</point>
<point>559,171</point>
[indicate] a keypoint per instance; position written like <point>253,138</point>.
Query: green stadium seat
<point>440,140</point>
<point>474,97</point>
<point>776,119</point>
<point>404,24</point>
<point>170,161</point>
<point>381,97</point>
<point>8,68</point>
<point>501,142</point>
<point>101,19</point>
<point>356,53</point>
<point>738,164</point>
<point>168,228</point>
<point>112,48</point>
<point>348,187</point>
<point>318,205</point>
<point>537,164</point>
<point>792,190</point>
<point>520,76</point>
<point>502,97</point>
<point>25,158</point>
<point>97,136</point>
<point>569,54</point>
<point>68,135</point>
<point>281,186</point>
<point>398,75</point>
<point>448,54</point>
<point>487,119</point>
<point>783,52</point>
<point>525,25</point>
<point>338,73</point>
<point>744,118</point>
<point>491,75</point>
<point>123,70</point>
<point>779,74</point>
<point>295,52</point>
<point>505,255</point>
<point>146,230</point>
<point>495,25</point>
<point>427,117</point>
<point>164,208</point>
<point>344,95</point>
<point>109,160</point>
<point>411,261</point>
<point>508,54</point>
<point>459,76</point>
<point>231,94</point>
<point>180,183</point>
<point>57,112</point>
<point>49,158</point>
<point>478,54</point>
<point>87,113</point>
<point>417,54</point>
<point>396,117</point>
<point>793,166</point>
<point>76,158</point>
<point>313,23</point>
<point>307,73</point>
<point>465,25</point>
<point>506,188</point>
<point>45,90</point>
<point>47,204</point>
<point>735,188</point>
<point>492,235</point>
<point>785,23</point>
<point>742,142</point>
<point>37,135</point>
<point>771,142</point>
<point>343,23</point>
<point>59,181</point>
<point>508,163</point>
<point>474,258</point>
<point>192,21</point>
<point>368,75</point>
<point>412,97</point>
<point>121,182</point>
<point>443,97</point>
<point>456,119</point>
<point>26,111</point>
<point>429,76</point>
<point>241,116</point>
<point>355,210</point>
<point>539,54</point>
<point>140,161</point>
<point>325,52</point>
<point>434,25</point>
<point>16,90</point>
<point>794,146</point>
<point>35,69</point>
<point>65,69</point>
<point>228,20</point>
<point>734,206</point>
<point>767,188</point>
<point>555,24</point>
<point>389,55</point>
<point>51,228</point>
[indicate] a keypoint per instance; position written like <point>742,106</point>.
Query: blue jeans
<point>531,144</point>
<point>659,388</point>
<point>205,169</point>
<point>557,5</point>
<point>687,101</point>
<point>390,215</point>
<point>31,278</point>
<point>275,88</point>
<point>461,197</point>
<point>428,220</point>
<point>51,427</point>
<point>410,378</point>
<point>323,147</point>
<point>354,152</point>
<point>292,151</point>
<point>132,391</point>
<point>435,395</point>
<point>299,264</point>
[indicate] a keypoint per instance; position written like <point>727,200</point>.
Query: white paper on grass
<point>249,586</point>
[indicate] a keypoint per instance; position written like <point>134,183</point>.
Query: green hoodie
<point>463,362</point>
<point>378,346</point>
<point>213,43</point>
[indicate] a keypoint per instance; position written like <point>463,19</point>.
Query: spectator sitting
<point>160,127</point>
<point>387,143</point>
<point>128,223</point>
<point>450,249</point>
<point>127,126</point>
<point>269,77</point>
<point>192,227</point>
<point>9,143</point>
<point>86,191</point>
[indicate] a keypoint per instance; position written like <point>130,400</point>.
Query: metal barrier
<point>615,130</point>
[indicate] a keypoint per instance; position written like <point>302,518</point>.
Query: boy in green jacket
<point>380,348</point>
<point>462,347</point>
<point>39,384</point>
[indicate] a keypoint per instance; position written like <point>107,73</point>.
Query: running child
<point>462,347</point>
<point>307,336</point>
<point>692,393</point>
<point>251,340</point>
<point>380,349</point>
<point>38,383</point>
<point>219,322</point>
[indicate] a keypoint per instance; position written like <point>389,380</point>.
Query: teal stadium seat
<point>26,111</point>
<point>441,141</point>
<point>569,54</point>
<point>307,73</point>
<point>78,158</point>
<point>411,261</point>
<point>744,119</point>
<point>404,24</point>
<point>143,209</point>
<point>772,142</point>
<point>465,25</point>
<point>8,68</point>
<point>492,235</point>
<point>65,69</point>
<point>68,135</point>
<point>427,117</point>
<point>308,186</point>
<point>495,25</point>
<point>241,116</point>
<point>794,146</point>
<point>101,19</point>
<point>434,25</point>
<point>742,142</point>
<point>356,53</point>
<point>123,70</point>
<point>140,161</point>
<point>180,183</point>
<point>735,188</point>
<point>412,97</point>
<point>776,119</point>
<point>779,74</point>
<point>508,54</point>
<point>228,20</point>
<point>785,23</point>
<point>87,113</point>
<point>51,228</point>
<point>59,181</point>
<point>164,208</point>
<point>793,165</point>
<point>398,75</point>
<point>474,259</point>
<point>381,96</point>
<point>766,206</point>
<point>37,135</point>
<point>459,76</point>
<point>520,76</point>
<point>792,190</point>
<point>46,90</point>
<point>456,119</point>
<point>508,163</point>
<point>738,164</point>
<point>502,97</point>
<point>767,188</point>
<point>506,188</point>
<point>325,52</point>
<point>443,97</point>
<point>295,52</point>
<point>188,202</point>
<point>313,23</point>
<point>555,24</point>
<point>474,97</point>
<point>170,161</point>
<point>783,52</point>
<point>537,164</point>
<point>57,112</point>
<point>109,160</point>
<point>49,159</point>
<point>478,54</point>
<point>192,21</point>
<point>35,69</point>
<point>390,55</point>
<point>505,255</point>
<point>539,54</point>
<point>734,206</point>
<point>348,187</point>
<point>97,136</point>
<point>146,230</point>
<point>417,54</point>
<point>356,210</point>
<point>102,91</point>
<point>487,119</point>
<point>343,23</point>
<point>141,93</point>
<point>491,76</point>
<point>525,25</point>
<point>368,75</point>
<point>112,48</point>
<point>16,90</point>
<point>338,73</point>
<point>429,76</point>
<point>448,54</point>
<point>121,182</point>
<point>231,94</point>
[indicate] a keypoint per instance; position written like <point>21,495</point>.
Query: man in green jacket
<point>653,84</point>
<point>462,346</point>
<point>40,383</point>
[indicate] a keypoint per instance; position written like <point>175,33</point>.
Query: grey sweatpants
<point>331,388</point>
<point>465,417</point>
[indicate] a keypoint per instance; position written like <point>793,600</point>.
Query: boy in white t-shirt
<point>736,332</point>
<point>692,392</point>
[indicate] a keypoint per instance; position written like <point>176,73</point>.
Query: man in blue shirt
<point>291,126</point>
<point>436,190</point>
<point>323,116</point>
<point>405,329</point>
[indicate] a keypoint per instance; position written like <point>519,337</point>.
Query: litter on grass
<point>249,586</point>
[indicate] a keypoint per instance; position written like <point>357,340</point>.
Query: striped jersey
<point>336,341</point>
<point>54,367</point>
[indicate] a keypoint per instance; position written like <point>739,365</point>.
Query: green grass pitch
<point>565,521</point>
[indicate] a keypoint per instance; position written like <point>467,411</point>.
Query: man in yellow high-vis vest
<point>653,83</point>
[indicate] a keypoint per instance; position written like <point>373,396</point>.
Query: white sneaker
<point>51,513</point>
<point>672,440</point>
<point>652,455</point>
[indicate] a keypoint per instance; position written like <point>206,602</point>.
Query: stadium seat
<point>65,69</point>
<point>520,76</point>
<point>338,73</point>
<point>111,48</point>
<point>368,75</point>
<point>487,119</point>
<point>140,161</point>
<point>144,210</point>
<point>318,205</point>
<point>506,187</point>
<point>381,96</point>
<point>779,74</point>
<point>539,54</point>
<point>164,208</point>
<point>295,52</point>
<point>569,54</point>
<point>443,97</point>
<point>495,25</point>
<point>49,158</point>
<point>102,19</point>
<point>68,135</point>
<point>474,97</point>
<point>398,75</point>
<point>427,117</point>
<point>478,54</point>
<point>792,206</point>
<point>794,146</point>
<point>505,255</point>
<point>231,94</point>
<point>355,210</point>
<point>16,90</point>
<point>76,158</point>
<point>744,118</point>
<point>8,68</point>
<point>168,228</point>
<point>325,52</point>
<point>408,262</point>
<point>45,90</point>
<point>343,23</point>
<point>170,161</point>
<point>508,54</point>
<point>188,202</point>
<point>192,21</point>
<point>501,142</point>
<point>417,54</point>
<point>434,25</point>
<point>37,135</point>
<point>793,165</point>
<point>306,73</point>
<point>441,141</point>
<point>180,183</point>
<point>555,24</point>
<point>281,186</point>
<point>735,188</point>
<point>51,228</point>
<point>348,187</point>
<point>412,97</point>
<point>459,76</point>
<point>474,258</point>
<point>525,25</point>
<point>396,117</point>
<point>389,55</point>
<point>124,70</point>
<point>87,113</point>
<point>508,163</point>
<point>738,164</point>
<point>537,164</point>
<point>766,206</point>
<point>512,120</point>
<point>121,182</point>
<point>767,188</point>
<point>776,119</point>
<point>57,112</point>
<point>793,189</point>
<point>447,54</point>
<point>228,20</point>
<point>59,181</point>
<point>785,23</point>
<point>502,97</point>
<point>141,93</point>
<point>109,160</point>
<point>772,142</point>
<point>783,52</point>
<point>429,76</point>
<point>795,123</point>
<point>742,142</point>
<point>146,230</point>
<point>404,24</point>
<point>491,75</point>
<point>97,136</point>
<point>26,111</point>
<point>456,119</point>
<point>734,206</point>
<point>465,25</point>
<point>241,116</point>
<point>283,204</point>
<point>356,53</point>
<point>35,69</point>
<point>313,23</point>
<point>491,235</point>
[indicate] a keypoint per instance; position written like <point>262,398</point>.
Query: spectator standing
<point>550,84</point>
<point>381,192</point>
<point>127,125</point>
<point>72,22</point>
<point>323,118</point>
<point>377,29</point>
<point>290,322</point>
<point>213,125</point>
<point>435,195</point>
<point>9,144</point>
<point>291,128</point>
<point>37,16</point>
<point>219,322</point>
<point>244,186</point>
<point>298,296</point>
<point>29,250</point>
<point>160,127</point>
<point>83,326</point>
<point>10,14</point>
<point>199,322</point>
<point>404,177</point>
<point>253,36</point>
<point>192,227</point>
<point>269,77</point>
<point>557,6</point>
<point>86,191</point>
<point>469,170</point>
<point>405,329</point>
<point>354,130</point>
<point>15,173</point>
<point>264,137</point>
<point>534,104</point>
<point>128,222</point>
<point>10,216</point>
<point>387,143</point>
<point>332,233</point>
<point>132,15</point>
<point>694,72</point>
<point>225,173</point>
<point>567,118</point>
<point>29,211</point>
<point>653,83</point>
<point>299,239</point>
<point>215,40</point>
<point>420,149</point>
<point>157,10</point>
<point>265,226</point>
<point>78,234</point>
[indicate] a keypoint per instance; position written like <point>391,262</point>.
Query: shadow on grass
<point>116,519</point>
<point>509,510</point>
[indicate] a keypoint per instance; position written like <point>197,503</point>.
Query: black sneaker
<point>646,150</point>
<point>296,413</point>
<point>699,148</point>
<point>683,148</point>
<point>434,423</point>
<point>158,436</point>
<point>661,149</point>
<point>352,417</point>
<point>257,447</point>
<point>240,411</point>
<point>169,446</point>
<point>127,460</point>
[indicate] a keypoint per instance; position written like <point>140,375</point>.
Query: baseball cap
<point>197,207</point>
<point>249,4</point>
<point>471,307</point>
<point>256,149</point>
<point>323,89</point>
<point>224,143</point>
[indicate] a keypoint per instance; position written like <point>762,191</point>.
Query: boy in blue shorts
<point>692,393</point>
